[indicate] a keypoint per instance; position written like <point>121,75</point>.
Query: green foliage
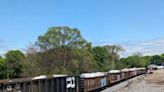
<point>57,37</point>
<point>133,61</point>
<point>156,59</point>
<point>114,56</point>
<point>13,63</point>
<point>137,60</point>
<point>62,50</point>
<point>101,57</point>
<point>107,57</point>
<point>10,65</point>
<point>2,68</point>
<point>146,60</point>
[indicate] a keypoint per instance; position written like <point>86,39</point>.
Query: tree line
<point>63,50</point>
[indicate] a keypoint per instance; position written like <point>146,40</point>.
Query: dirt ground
<point>144,83</point>
<point>157,77</point>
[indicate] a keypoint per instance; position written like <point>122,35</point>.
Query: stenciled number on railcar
<point>70,82</point>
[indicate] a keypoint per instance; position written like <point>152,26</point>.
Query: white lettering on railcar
<point>9,88</point>
<point>70,82</point>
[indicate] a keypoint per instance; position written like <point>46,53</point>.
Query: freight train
<point>87,82</point>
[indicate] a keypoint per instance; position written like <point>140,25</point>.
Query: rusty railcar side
<point>93,83</point>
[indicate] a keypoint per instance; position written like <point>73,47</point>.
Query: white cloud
<point>147,47</point>
<point>150,47</point>
<point>3,48</point>
<point>2,53</point>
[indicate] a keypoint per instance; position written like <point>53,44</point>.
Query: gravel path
<point>149,83</point>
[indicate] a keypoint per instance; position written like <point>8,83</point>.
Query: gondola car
<point>114,75</point>
<point>92,81</point>
<point>87,82</point>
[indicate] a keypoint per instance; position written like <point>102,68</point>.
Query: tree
<point>101,57</point>
<point>30,62</point>
<point>2,68</point>
<point>57,37</point>
<point>162,58</point>
<point>132,61</point>
<point>136,60</point>
<point>146,60</point>
<point>114,56</point>
<point>13,63</point>
<point>156,59</point>
<point>61,50</point>
<point>107,57</point>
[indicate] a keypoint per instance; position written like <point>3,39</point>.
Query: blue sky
<point>100,21</point>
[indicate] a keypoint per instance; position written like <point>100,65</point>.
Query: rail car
<point>92,81</point>
<point>87,82</point>
<point>114,76</point>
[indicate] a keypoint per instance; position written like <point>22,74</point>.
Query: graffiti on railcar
<point>103,82</point>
